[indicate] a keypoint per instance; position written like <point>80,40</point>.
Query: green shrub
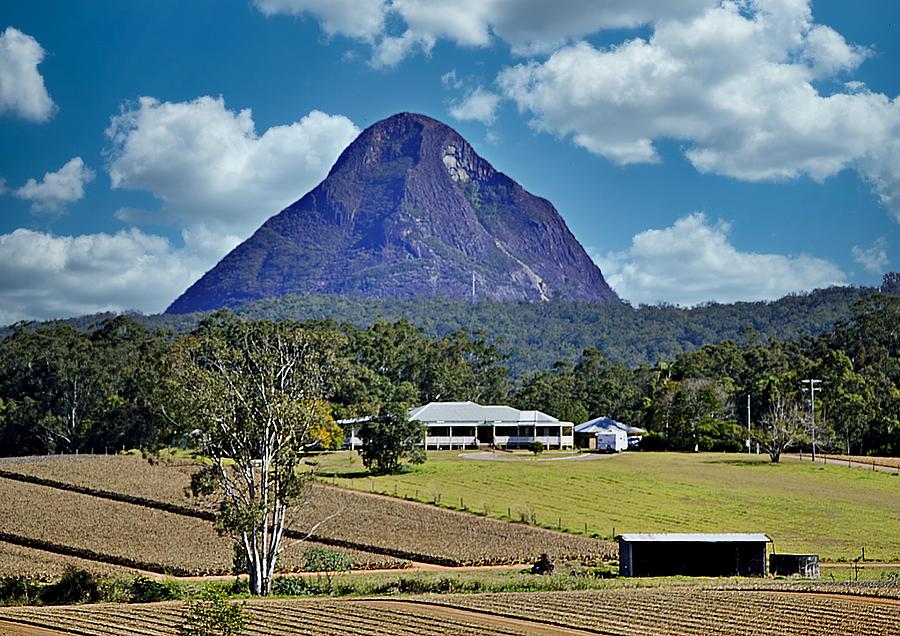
<point>536,447</point>
<point>19,590</point>
<point>213,615</point>
<point>290,586</point>
<point>114,589</point>
<point>326,562</point>
<point>239,563</point>
<point>144,590</point>
<point>75,586</point>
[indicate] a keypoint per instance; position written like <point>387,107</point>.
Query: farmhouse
<point>692,554</point>
<point>470,425</point>
<point>605,433</point>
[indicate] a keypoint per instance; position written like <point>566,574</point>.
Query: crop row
<point>279,618</point>
<point>885,588</point>
<point>17,560</point>
<point>677,611</point>
<point>689,611</point>
<point>384,525</point>
<point>126,535</point>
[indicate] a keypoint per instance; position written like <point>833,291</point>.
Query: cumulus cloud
<point>391,50</point>
<point>527,26</point>
<point>216,179</point>
<point>57,189</point>
<point>534,26</point>
<point>22,90</point>
<point>363,19</point>
<point>735,82</point>
<point>873,258</point>
<point>210,168</point>
<point>477,105</point>
<point>693,261</point>
<point>46,276</point>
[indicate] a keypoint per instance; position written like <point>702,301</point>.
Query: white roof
<point>476,413</point>
<point>727,537</point>
<point>604,424</point>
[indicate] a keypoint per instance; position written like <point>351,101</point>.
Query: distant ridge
<point>408,211</point>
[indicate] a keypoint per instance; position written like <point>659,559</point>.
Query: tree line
<point>115,385</point>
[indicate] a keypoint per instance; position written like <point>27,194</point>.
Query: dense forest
<point>535,336</point>
<point>65,389</point>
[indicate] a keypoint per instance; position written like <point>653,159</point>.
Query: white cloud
<point>477,105</point>
<point>217,180</point>
<point>22,90</point>
<point>362,19</point>
<point>209,167</point>
<point>57,189</point>
<point>44,276</point>
<point>693,261</point>
<point>735,83</point>
<point>450,80</point>
<point>874,258</point>
<point>528,26</point>
<point>827,52</point>
<point>391,50</point>
<point>534,26</point>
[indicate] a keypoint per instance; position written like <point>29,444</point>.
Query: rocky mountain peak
<point>409,209</point>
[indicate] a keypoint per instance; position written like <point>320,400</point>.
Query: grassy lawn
<point>830,510</point>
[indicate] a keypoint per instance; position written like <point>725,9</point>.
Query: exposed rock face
<point>408,210</point>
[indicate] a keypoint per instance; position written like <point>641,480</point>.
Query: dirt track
<point>17,629</point>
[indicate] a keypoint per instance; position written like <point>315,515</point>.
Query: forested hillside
<point>536,335</point>
<point>113,386</point>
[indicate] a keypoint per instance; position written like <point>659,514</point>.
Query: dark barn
<point>804,565</point>
<point>692,554</point>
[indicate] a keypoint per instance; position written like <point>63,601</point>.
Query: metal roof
<point>472,412</point>
<point>604,424</point>
<point>675,537</point>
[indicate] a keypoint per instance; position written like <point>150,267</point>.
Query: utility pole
<point>812,409</point>
<point>748,424</point>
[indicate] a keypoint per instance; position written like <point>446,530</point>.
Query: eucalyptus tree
<point>255,391</point>
<point>782,428</point>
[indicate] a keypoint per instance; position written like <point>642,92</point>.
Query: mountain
<point>408,211</point>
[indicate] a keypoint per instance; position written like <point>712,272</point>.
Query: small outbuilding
<point>605,433</point>
<point>675,554</point>
<point>803,565</point>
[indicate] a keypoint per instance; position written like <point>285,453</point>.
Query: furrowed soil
<point>680,611</point>
<point>125,512</point>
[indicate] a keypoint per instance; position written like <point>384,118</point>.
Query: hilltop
<point>409,210</point>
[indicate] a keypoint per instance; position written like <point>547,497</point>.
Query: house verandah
<point>462,425</point>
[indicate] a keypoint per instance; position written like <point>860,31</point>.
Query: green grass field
<point>830,510</point>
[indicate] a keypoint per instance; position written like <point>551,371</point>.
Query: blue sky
<point>700,150</point>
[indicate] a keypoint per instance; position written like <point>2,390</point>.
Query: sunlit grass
<point>829,510</point>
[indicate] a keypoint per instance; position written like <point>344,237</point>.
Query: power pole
<point>748,424</point>
<point>812,409</point>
